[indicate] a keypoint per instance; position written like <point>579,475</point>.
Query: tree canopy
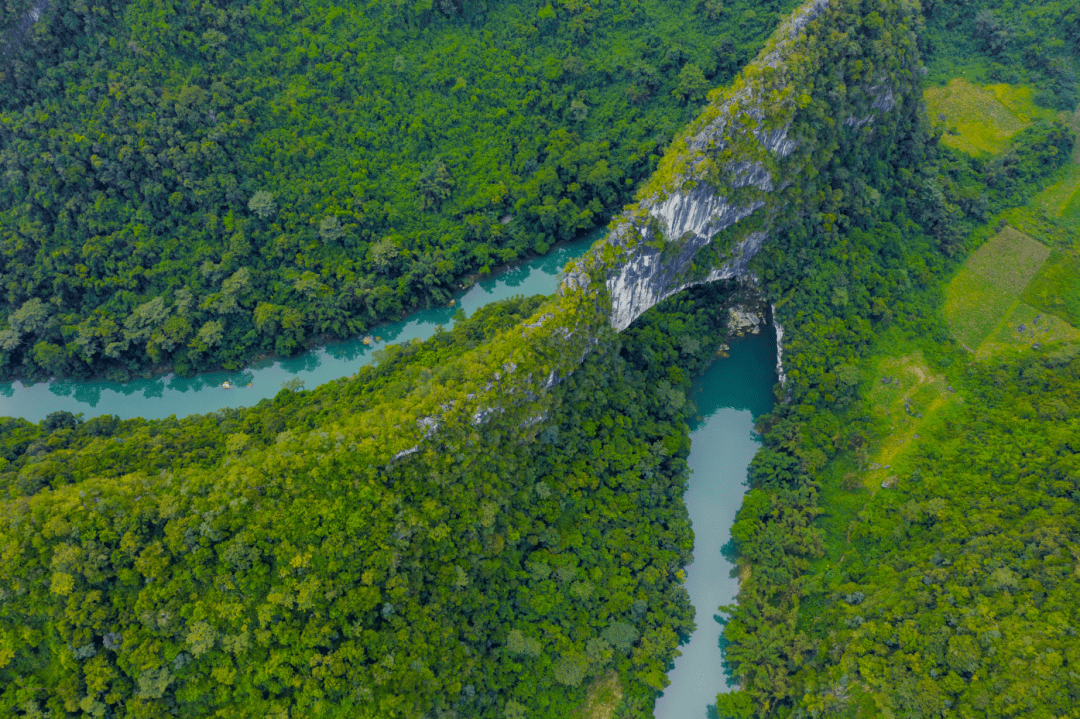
<point>191,184</point>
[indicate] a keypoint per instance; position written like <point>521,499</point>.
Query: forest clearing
<point>980,120</point>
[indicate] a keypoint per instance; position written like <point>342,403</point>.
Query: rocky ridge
<point>726,185</point>
<point>729,167</point>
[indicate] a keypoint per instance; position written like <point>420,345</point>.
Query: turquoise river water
<point>729,396</point>
<point>731,393</point>
<point>167,395</point>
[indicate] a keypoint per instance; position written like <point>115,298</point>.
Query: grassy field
<point>1056,288</point>
<point>905,396</point>
<point>1011,294</point>
<point>1024,327</point>
<point>988,288</point>
<point>980,120</point>
<point>1006,298</point>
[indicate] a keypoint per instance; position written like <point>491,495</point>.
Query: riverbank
<point>729,396</point>
<point>166,395</point>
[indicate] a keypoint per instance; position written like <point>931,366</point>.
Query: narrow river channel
<point>731,393</point>
<point>167,395</point>
<point>729,396</point>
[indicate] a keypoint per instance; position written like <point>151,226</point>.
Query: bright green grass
<point>988,287</point>
<point>1056,288</point>
<point>973,307</point>
<point>1071,212</point>
<point>1020,100</point>
<point>980,120</point>
<point>905,395</point>
<point>1024,327</point>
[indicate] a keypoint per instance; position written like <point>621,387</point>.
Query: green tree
<point>692,84</point>
<point>262,204</point>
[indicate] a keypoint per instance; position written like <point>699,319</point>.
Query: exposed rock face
<point>742,321</point>
<point>740,174</point>
<point>649,277</point>
<point>693,215</point>
<point>15,37</point>
<point>779,349</point>
<point>716,197</point>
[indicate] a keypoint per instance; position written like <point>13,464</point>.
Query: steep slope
<point>280,569</point>
<point>192,184</point>
<point>272,579</point>
<point>735,163</point>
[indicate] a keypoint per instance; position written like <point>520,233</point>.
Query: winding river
<point>731,393</point>
<point>167,395</point>
<point>729,396</point>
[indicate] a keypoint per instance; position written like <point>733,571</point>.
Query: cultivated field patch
<point>905,395</point>
<point>988,287</point>
<point>1020,100</point>
<point>977,121</point>
<point>980,120</point>
<point>1056,288</point>
<point>1026,327</point>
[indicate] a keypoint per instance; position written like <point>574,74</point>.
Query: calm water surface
<point>171,395</point>
<point>729,396</point>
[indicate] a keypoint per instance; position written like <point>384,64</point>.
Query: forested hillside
<point>442,534</point>
<point>996,41</point>
<point>481,523</point>
<point>256,562</point>
<point>191,184</point>
<point>906,543</point>
<point>956,587</point>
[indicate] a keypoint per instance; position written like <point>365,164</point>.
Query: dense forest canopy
<point>255,561</point>
<point>959,589</point>
<point>302,556</point>
<point>189,184</point>
<point>996,41</point>
<point>939,584</point>
<point>351,552</point>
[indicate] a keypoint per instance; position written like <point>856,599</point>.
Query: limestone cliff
<point>16,34</point>
<point>830,77</point>
<point>722,183</point>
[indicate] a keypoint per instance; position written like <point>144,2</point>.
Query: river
<point>731,393</point>
<point>167,395</point>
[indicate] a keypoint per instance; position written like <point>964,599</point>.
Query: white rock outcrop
<point>691,218</point>
<point>726,170</point>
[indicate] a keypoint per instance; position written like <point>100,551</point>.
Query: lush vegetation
<point>850,602</point>
<point>1032,43</point>
<point>987,290</point>
<point>255,561</point>
<point>480,522</point>
<point>953,588</point>
<point>1056,289</point>
<point>981,120</point>
<point>946,570</point>
<point>792,640</point>
<point>189,184</point>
